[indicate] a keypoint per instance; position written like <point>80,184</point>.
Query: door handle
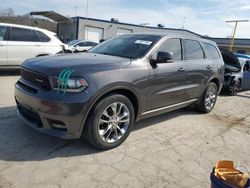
<point>209,67</point>
<point>37,45</point>
<point>181,69</point>
<point>1,45</point>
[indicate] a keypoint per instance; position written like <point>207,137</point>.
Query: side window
<point>172,46</point>
<point>82,44</point>
<point>34,37</point>
<point>211,51</point>
<point>91,44</point>
<point>192,50</point>
<point>43,37</point>
<point>20,34</point>
<point>3,30</point>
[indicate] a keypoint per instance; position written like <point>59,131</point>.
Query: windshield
<point>130,46</point>
<point>72,42</point>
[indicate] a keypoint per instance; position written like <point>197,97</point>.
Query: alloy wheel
<point>114,122</point>
<point>210,97</point>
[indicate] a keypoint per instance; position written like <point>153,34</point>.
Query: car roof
<point>173,35</point>
<point>27,27</point>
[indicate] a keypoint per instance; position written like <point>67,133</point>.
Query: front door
<point>168,80</point>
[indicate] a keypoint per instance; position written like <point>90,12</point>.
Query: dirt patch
<point>229,120</point>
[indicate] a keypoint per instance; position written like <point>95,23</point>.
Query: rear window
<point>43,37</point>
<point>211,51</point>
<point>2,32</point>
<point>21,34</point>
<point>192,50</point>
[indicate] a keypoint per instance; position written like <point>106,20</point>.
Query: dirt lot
<point>178,149</point>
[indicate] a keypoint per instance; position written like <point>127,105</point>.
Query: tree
<point>7,11</point>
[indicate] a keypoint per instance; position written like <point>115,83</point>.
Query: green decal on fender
<point>63,78</point>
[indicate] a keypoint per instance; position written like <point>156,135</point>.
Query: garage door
<point>93,33</point>
<point>122,31</point>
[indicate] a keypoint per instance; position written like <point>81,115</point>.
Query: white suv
<point>18,43</point>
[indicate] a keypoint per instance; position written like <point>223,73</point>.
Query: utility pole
<point>144,25</point>
<point>75,10</point>
<point>86,19</point>
<point>234,31</point>
<point>183,23</point>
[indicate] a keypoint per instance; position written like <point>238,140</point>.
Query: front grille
<point>26,87</point>
<point>38,79</point>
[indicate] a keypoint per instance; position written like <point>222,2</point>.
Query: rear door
<point>3,45</point>
<point>168,80</point>
<point>198,68</point>
<point>22,44</point>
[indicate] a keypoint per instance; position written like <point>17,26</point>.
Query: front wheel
<point>235,88</point>
<point>110,122</point>
<point>208,100</point>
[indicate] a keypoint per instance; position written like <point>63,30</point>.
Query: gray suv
<point>100,94</point>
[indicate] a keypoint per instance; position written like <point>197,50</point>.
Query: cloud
<point>246,7</point>
<point>204,17</point>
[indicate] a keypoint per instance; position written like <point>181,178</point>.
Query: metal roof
<point>135,25</point>
<point>52,15</point>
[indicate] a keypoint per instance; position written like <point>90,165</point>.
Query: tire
<point>236,88</point>
<point>210,94</point>
<point>104,128</point>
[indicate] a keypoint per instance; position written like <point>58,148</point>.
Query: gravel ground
<point>177,149</point>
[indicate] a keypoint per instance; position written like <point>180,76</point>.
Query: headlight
<point>72,85</point>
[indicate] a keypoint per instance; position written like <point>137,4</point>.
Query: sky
<point>205,17</point>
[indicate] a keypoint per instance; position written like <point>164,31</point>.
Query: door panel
<point>168,80</point>
<point>167,85</point>
<point>199,69</point>
<point>18,52</point>
<point>245,83</point>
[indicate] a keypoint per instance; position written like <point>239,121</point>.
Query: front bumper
<point>56,115</point>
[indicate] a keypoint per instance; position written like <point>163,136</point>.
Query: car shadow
<point>19,142</point>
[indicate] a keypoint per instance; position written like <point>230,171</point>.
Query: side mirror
<point>164,57</point>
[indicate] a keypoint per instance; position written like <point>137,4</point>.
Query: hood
<point>232,63</point>
<point>80,63</point>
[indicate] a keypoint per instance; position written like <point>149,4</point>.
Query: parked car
<point>81,45</point>
<point>100,94</point>
<point>233,72</point>
<point>245,64</point>
<point>18,43</point>
<point>237,72</point>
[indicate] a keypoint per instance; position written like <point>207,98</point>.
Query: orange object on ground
<point>225,170</point>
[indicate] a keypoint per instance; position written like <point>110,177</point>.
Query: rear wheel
<point>110,122</point>
<point>208,100</point>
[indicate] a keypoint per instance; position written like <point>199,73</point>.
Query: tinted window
<point>192,50</point>
<point>20,34</point>
<point>172,46</point>
<point>130,46</point>
<point>82,44</point>
<point>211,51</point>
<point>91,43</point>
<point>2,32</point>
<point>43,37</point>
